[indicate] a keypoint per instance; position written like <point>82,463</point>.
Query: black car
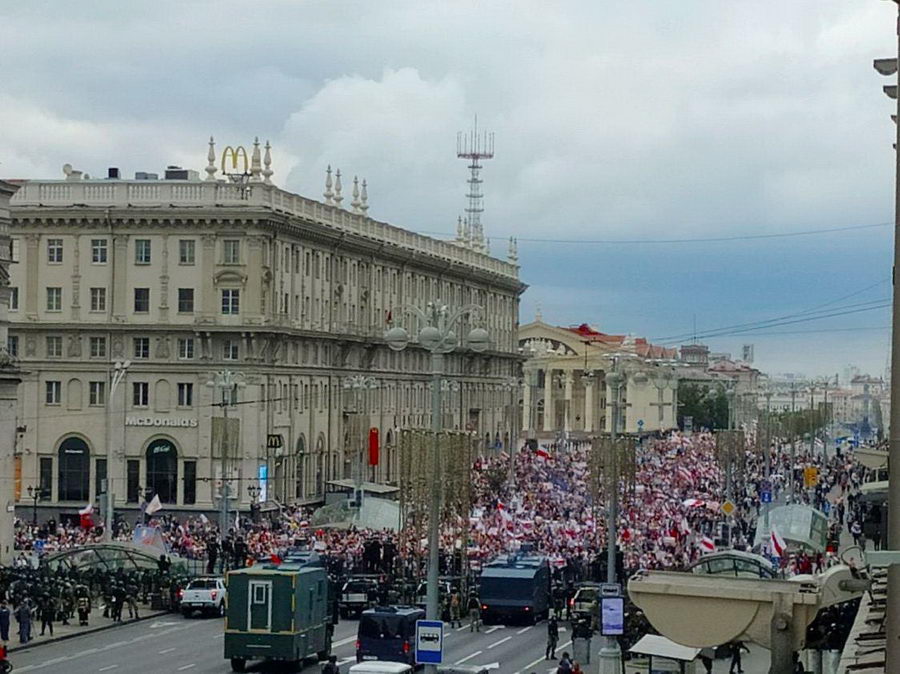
<point>357,594</point>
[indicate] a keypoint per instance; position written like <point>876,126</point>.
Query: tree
<point>706,403</point>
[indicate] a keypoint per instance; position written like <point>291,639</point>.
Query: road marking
<point>469,657</point>
<point>166,650</point>
<point>219,636</point>
<point>181,669</point>
<point>460,629</point>
<point>343,642</point>
<point>346,660</point>
<point>525,630</point>
<point>497,643</point>
<point>532,664</point>
<point>107,668</point>
<point>494,629</point>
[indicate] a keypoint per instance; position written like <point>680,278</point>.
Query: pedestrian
<point>736,665</point>
<point>455,608</point>
<point>552,639</point>
<point>47,611</point>
<point>84,608</point>
<point>23,617</point>
<point>565,665</point>
<point>474,607</point>
<point>5,614</point>
<point>707,655</point>
<point>331,667</point>
<point>576,668</point>
<point>855,531</point>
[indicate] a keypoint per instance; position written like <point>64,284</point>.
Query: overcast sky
<point>621,120</point>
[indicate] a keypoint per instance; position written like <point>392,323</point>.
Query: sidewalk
<point>96,623</point>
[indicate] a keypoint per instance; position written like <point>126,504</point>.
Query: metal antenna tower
<point>475,147</point>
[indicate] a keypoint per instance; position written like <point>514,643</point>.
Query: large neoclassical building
<point>567,388</point>
<point>182,277</point>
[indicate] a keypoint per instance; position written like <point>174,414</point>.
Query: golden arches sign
<point>234,153</point>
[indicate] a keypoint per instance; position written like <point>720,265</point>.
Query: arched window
<point>162,470</point>
<point>74,470</point>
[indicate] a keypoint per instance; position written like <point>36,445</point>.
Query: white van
<point>380,667</point>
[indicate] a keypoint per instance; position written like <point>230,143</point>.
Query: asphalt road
<point>173,644</point>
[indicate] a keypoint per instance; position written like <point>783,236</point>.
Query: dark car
<point>388,633</point>
<point>357,595</point>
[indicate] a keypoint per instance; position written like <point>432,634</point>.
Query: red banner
<point>373,446</point>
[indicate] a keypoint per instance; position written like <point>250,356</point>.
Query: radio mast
<point>475,147</point>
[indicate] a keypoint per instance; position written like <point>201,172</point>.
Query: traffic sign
<point>429,642</point>
<point>640,424</point>
<point>610,590</point>
<point>728,508</point>
<point>765,497</point>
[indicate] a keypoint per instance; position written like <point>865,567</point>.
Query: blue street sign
<point>765,496</point>
<point>429,642</point>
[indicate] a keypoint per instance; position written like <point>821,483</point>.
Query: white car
<point>206,595</point>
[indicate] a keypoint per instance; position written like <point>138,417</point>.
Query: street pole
<point>119,372</point>
<point>437,337</point>
<point>225,382</point>
<point>768,457</point>
<point>793,445</point>
<point>892,627</point>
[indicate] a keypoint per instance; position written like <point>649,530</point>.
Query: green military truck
<point>277,612</point>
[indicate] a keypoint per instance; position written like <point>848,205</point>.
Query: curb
<point>80,633</point>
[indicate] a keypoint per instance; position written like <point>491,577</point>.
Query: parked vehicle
<point>277,612</point>
<point>375,667</point>
<point>388,633</point>
<point>206,595</point>
<point>357,595</point>
<point>515,587</point>
<point>445,586</point>
<point>582,602</point>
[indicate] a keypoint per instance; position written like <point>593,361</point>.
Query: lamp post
<point>611,653</point>
<point>120,369</point>
<point>437,336</point>
<point>512,385</point>
<point>35,494</point>
<point>253,491</point>
<point>358,384</point>
<point>147,494</point>
<point>226,384</point>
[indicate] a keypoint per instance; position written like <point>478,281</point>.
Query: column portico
<point>548,400</point>
<point>588,405</point>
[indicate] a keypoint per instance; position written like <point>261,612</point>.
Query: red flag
<point>390,316</point>
<point>707,544</point>
<point>373,446</point>
<point>543,453</point>
<point>85,516</point>
<point>275,559</point>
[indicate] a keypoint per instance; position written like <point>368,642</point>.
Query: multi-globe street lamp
<point>359,384</point>
<point>120,369</point>
<point>437,336</point>
<point>226,383</point>
<point>35,494</point>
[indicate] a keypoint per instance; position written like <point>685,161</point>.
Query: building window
<point>133,480</point>
<point>54,346</point>
<point>231,301</point>
<point>231,251</point>
<point>45,475</point>
<point>141,300</point>
<point>185,395</point>
<point>98,347</point>
<point>13,299</point>
<point>99,476</point>
<point>54,251</point>
<point>98,251</point>
<point>141,347</point>
<point>74,473</point>
<point>230,350</point>
<point>54,299</point>
<point>142,251</point>
<point>97,393</point>
<point>186,251</point>
<point>162,470</point>
<point>186,348</point>
<point>140,394</point>
<point>185,300</point>
<point>190,482</point>
<point>53,392</point>
<point>98,299</point>
<point>12,345</point>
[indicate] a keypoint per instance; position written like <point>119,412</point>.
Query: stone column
<point>548,400</point>
<point>9,385</point>
<point>588,405</point>
<point>526,404</point>
<point>567,421</point>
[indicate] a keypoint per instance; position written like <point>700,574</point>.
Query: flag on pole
<point>542,453</point>
<point>154,505</point>
<point>85,516</point>
<point>390,316</point>
<point>707,544</point>
<point>778,544</point>
<point>237,519</point>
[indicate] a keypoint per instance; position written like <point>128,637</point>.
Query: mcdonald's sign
<point>235,153</point>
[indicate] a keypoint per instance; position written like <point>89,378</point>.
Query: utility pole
<point>793,444</point>
<point>768,457</point>
<point>892,626</point>
<point>119,372</point>
<point>226,383</point>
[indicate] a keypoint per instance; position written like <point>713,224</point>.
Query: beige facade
<point>188,277</point>
<point>566,389</point>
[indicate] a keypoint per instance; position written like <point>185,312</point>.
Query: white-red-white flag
<point>778,544</point>
<point>542,453</point>
<point>707,544</point>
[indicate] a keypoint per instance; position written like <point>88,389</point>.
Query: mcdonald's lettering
<point>234,153</point>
